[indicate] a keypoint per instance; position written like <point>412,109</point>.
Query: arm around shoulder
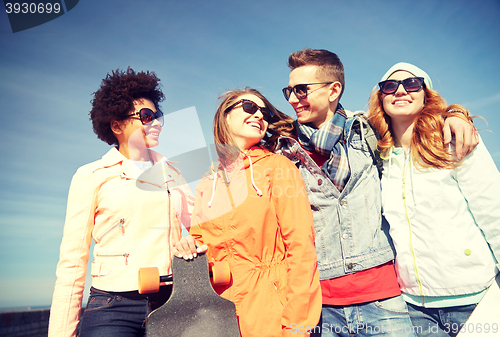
<point>479,181</point>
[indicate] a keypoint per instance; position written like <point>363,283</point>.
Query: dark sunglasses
<point>300,90</point>
<point>412,84</point>
<point>147,116</point>
<point>251,108</point>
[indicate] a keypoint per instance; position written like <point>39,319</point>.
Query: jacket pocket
<point>279,281</point>
<point>120,225</point>
<point>124,255</point>
<point>279,294</point>
<point>105,263</point>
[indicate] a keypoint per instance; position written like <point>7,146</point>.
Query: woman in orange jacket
<point>131,204</point>
<point>254,213</point>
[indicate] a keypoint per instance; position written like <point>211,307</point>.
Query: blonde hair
<point>281,124</point>
<point>427,145</point>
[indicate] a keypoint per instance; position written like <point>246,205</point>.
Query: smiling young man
<point>360,291</point>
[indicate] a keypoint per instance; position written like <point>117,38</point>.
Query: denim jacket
<point>350,233</point>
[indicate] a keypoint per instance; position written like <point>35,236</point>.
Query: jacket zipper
<point>119,225</point>
<point>405,170</point>
<point>125,255</point>
<point>226,230</point>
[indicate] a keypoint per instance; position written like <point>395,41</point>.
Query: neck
<point>403,132</point>
<point>134,153</point>
<point>332,108</point>
<point>243,145</point>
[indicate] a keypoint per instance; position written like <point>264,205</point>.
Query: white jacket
<point>441,222</point>
<point>133,223</point>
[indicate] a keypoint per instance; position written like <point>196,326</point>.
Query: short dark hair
<point>115,98</point>
<point>330,66</point>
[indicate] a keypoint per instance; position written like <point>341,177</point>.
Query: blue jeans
<point>388,317</point>
<point>123,314</point>
<point>439,322</point>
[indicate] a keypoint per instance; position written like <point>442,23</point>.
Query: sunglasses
<point>251,108</point>
<point>147,116</point>
<point>300,90</point>
<point>412,84</point>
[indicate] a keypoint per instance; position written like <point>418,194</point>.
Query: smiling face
<point>246,130</point>
<point>320,104</point>
<point>134,137</point>
<point>403,105</point>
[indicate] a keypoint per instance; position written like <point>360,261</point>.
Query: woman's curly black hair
<point>115,98</point>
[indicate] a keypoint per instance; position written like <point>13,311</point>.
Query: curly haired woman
<point>131,202</point>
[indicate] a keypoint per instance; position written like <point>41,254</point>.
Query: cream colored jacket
<point>133,221</point>
<point>445,224</point>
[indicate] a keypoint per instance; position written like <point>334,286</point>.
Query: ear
<point>116,127</point>
<point>336,89</point>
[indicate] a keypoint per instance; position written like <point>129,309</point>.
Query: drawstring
<point>411,180</point>
<point>259,192</point>
<point>412,186</point>
<point>213,187</point>
<point>384,190</point>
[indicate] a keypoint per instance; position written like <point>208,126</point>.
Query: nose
<point>258,114</point>
<point>401,90</point>
<point>293,98</point>
<point>156,123</point>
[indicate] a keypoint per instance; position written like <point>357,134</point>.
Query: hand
<point>187,248</point>
<point>466,137</point>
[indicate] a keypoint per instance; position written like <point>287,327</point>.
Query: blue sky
<point>199,49</point>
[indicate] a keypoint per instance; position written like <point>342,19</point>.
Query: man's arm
<point>464,132</point>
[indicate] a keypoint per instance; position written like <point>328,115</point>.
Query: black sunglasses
<point>251,108</point>
<point>147,116</point>
<point>412,84</point>
<point>300,90</point>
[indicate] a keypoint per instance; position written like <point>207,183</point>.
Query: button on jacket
<point>133,220</point>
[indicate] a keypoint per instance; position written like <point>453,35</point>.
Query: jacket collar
<point>113,157</point>
<point>158,175</point>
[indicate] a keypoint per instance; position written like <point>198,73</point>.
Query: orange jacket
<point>268,241</point>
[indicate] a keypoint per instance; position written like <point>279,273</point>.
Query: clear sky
<point>199,49</point>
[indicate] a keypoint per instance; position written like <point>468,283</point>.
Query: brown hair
<point>330,66</point>
<point>281,124</point>
<point>427,139</point>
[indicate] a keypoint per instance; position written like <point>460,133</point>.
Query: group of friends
<point>333,224</point>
